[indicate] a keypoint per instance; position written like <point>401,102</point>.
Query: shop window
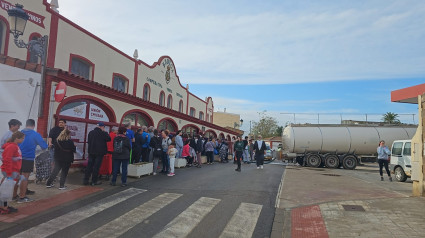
<point>81,67</point>
<point>201,116</point>
<point>32,57</point>
<point>146,92</point>
<point>162,99</point>
<point>120,83</point>
<point>192,112</point>
<point>170,102</point>
<point>181,106</point>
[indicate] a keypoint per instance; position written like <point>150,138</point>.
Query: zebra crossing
<point>241,224</point>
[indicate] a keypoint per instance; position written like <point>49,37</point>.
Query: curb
<point>280,214</point>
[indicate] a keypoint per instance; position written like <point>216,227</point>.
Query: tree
<point>266,127</point>
<point>391,118</point>
<point>279,131</point>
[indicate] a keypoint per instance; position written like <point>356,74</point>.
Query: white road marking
<point>69,219</point>
<point>242,223</point>
<point>137,215</point>
<point>184,223</point>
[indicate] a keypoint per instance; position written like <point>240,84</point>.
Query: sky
<point>340,59</point>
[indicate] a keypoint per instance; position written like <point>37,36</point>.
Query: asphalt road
<point>212,201</point>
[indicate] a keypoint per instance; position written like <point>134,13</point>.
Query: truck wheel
<point>314,160</point>
<point>332,161</point>
<point>349,162</point>
<point>400,175</point>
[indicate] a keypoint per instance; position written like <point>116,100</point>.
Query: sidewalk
<point>48,198</point>
<point>321,202</point>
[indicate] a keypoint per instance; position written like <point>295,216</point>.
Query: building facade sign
<point>33,17</point>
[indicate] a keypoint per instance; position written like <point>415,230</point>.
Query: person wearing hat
<point>97,148</point>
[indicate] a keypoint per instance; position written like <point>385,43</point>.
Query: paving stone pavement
<point>351,204</point>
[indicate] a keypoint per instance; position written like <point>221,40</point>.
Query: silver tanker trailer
<point>338,145</point>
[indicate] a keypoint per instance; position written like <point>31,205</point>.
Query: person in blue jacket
<point>383,154</point>
<point>28,146</point>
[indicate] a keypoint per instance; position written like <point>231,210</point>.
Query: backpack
<point>118,144</point>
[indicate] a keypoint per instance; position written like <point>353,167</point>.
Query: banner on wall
<point>33,17</point>
<point>77,110</point>
<point>97,114</point>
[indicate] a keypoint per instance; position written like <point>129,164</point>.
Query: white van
<point>400,163</point>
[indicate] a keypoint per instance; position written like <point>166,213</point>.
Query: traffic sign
<point>60,91</point>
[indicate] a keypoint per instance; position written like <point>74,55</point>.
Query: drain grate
<point>356,208</point>
<point>336,175</point>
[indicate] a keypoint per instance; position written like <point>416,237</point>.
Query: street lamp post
<point>18,19</point>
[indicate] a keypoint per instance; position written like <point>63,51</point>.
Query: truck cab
<point>400,163</point>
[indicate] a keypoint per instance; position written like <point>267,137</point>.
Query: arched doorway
<point>221,136</point>
<point>190,130</point>
<point>82,115</point>
<point>167,124</point>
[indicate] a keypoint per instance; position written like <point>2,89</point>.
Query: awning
<point>408,95</point>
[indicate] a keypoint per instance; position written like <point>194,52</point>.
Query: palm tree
<point>391,118</point>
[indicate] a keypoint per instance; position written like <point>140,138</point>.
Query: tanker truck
<point>338,145</point>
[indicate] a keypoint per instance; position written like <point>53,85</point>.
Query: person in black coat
<point>198,149</point>
<point>97,148</point>
<point>120,157</point>
<point>259,149</point>
<point>64,156</point>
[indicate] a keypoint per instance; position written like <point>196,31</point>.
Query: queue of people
<point>109,154</point>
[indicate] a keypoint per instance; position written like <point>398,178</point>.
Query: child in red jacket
<point>11,167</point>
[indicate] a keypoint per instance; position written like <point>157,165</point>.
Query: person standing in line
<point>136,153</point>
<point>150,131</point>
<point>223,148</point>
<point>383,155</point>
<point>14,126</point>
<point>28,146</point>
<point>130,136</point>
<point>179,143</point>
<point>106,167</point>
<point>209,150</point>
<point>245,150</point>
<point>198,149</point>
<point>251,150</point>
<point>97,148</point>
<point>120,157</point>
<point>186,153</point>
<point>238,148</point>
<point>172,153</point>
<point>166,142</point>
<point>11,166</point>
<point>156,145</point>
<point>259,149</point>
<point>146,139</point>
<point>64,156</point>
<point>53,135</point>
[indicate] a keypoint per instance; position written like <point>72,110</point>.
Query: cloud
<point>274,44</point>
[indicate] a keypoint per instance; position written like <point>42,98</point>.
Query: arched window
<point>181,106</point>
<point>81,66</point>
<point>170,102</point>
<point>120,83</point>
<point>162,99</point>
<point>32,57</point>
<point>210,133</point>
<point>136,120</point>
<point>192,112</point>
<point>146,92</point>
<point>166,124</point>
<point>190,130</point>
<point>201,116</point>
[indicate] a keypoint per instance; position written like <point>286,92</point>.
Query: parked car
<point>400,163</point>
<point>269,153</point>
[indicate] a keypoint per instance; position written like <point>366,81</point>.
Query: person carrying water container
<point>383,154</point>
